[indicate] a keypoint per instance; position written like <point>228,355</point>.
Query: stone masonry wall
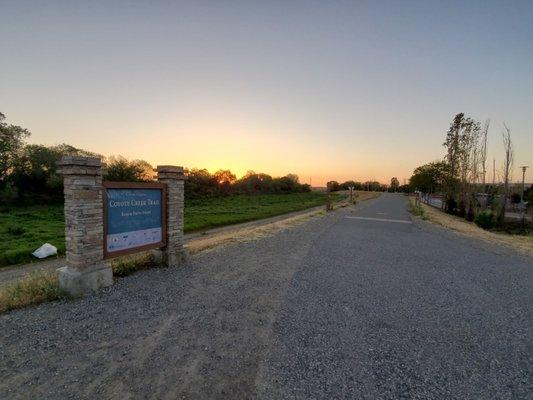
<point>174,178</point>
<point>84,229</point>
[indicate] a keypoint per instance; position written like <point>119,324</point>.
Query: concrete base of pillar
<point>170,259</point>
<point>89,279</point>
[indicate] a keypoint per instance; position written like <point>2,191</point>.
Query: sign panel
<point>134,215</point>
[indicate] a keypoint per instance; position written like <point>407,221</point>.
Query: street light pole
<point>524,167</point>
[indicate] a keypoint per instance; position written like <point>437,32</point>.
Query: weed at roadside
<point>34,289</point>
<point>416,209</point>
<point>125,266</point>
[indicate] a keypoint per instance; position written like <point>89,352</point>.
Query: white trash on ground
<point>45,250</point>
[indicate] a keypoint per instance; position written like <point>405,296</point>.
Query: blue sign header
<point>134,217</point>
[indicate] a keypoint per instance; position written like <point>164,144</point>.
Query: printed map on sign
<point>133,218</point>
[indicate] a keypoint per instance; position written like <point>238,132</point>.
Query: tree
<point>483,154</point>
<point>462,141</point>
<point>404,189</point>
<point>120,169</point>
<point>469,167</point>
<point>255,183</point>
<point>293,177</point>
<point>452,145</point>
<point>394,184</point>
<point>430,178</point>
<point>333,186</point>
<point>11,142</point>
<point>224,177</point>
<point>34,174</point>
<point>200,183</point>
<point>507,165</point>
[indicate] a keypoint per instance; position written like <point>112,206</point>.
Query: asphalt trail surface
<point>362,303</point>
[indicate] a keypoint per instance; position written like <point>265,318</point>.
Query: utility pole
<point>524,167</point>
<point>493,171</point>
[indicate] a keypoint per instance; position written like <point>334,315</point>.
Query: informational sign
<point>134,216</point>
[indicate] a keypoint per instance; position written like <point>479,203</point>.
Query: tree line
<point>29,172</point>
<point>372,186</point>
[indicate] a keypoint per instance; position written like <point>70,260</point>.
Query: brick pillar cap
<point>171,172</point>
<point>170,168</point>
<point>80,161</point>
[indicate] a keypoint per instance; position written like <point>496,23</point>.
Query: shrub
<point>516,198</point>
<point>485,220</point>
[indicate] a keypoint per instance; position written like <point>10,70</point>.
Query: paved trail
<point>361,303</point>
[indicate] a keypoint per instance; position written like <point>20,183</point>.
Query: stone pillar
<point>174,253</point>
<point>84,227</point>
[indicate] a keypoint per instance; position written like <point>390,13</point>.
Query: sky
<point>328,90</point>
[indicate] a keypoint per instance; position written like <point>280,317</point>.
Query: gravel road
<point>360,303</point>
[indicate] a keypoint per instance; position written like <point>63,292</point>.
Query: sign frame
<point>135,185</point>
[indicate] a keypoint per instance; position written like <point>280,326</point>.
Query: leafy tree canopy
<point>430,178</point>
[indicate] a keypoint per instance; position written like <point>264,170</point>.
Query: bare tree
<point>483,153</point>
<point>507,165</point>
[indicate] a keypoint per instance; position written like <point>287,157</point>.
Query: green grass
<point>24,229</point>
<point>212,212</point>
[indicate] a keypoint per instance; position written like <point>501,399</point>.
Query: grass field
<point>209,213</point>
<point>24,229</point>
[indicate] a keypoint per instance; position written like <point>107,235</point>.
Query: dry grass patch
<point>127,265</point>
<point>521,243</point>
<point>41,287</point>
<point>33,289</point>
<point>248,234</point>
